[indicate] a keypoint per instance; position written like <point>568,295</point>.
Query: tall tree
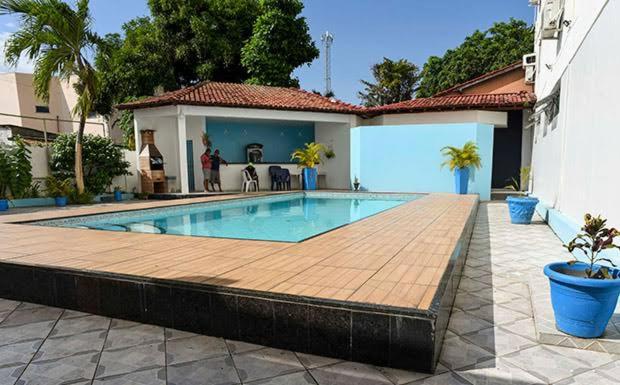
<point>502,44</point>
<point>204,37</point>
<point>280,43</point>
<point>395,81</point>
<point>57,38</point>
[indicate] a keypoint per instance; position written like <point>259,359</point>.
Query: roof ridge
<point>478,78</point>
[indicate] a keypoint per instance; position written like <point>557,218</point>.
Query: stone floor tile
<point>347,373</point>
<point>155,376</point>
<point>524,327</point>
<point>466,301</point>
<point>8,305</point>
<point>74,314</point>
<point>194,348</point>
<point>52,348</point>
<point>400,377</point>
<point>590,377</point>
<point>462,323</point>
<point>214,371</point>
<point>75,325</point>
<point>299,378</point>
<point>266,363</point>
<point>22,316</point>
<point>10,374</point>
<point>28,332</point>
<point>548,364</point>
<point>498,341</point>
<point>498,371</point>
<point>131,359</point>
<point>310,361</point>
<point>64,370</point>
<point>448,378</point>
<point>124,334</point>
<point>19,353</point>
<point>238,347</point>
<point>457,353</point>
<point>470,285</point>
<point>497,314</point>
<point>172,334</point>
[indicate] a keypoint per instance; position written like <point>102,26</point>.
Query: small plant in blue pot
<point>59,189</point>
<point>460,160</point>
<point>118,194</point>
<point>584,295</point>
<point>308,158</point>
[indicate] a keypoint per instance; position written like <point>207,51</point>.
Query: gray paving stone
<point>346,373</point>
<point>52,348</point>
<point>458,353</point>
<point>266,363</point>
<point>194,348</point>
<point>60,371</point>
<point>498,341</point>
<point>28,315</point>
<point>155,376</point>
<point>19,353</point>
<point>219,370</point>
<point>76,325</point>
<point>299,378</point>
<point>10,374</point>
<point>462,322</point>
<point>498,371</point>
<point>7,305</point>
<point>401,377</point>
<point>238,347</point>
<point>28,332</point>
<point>124,334</point>
<point>131,359</point>
<point>310,361</point>
<point>448,378</point>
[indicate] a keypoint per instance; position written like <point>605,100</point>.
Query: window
<point>42,109</point>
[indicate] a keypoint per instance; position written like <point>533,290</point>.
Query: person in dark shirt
<point>216,159</point>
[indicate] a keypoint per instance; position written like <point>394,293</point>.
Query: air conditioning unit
<point>552,18</point>
<point>529,64</point>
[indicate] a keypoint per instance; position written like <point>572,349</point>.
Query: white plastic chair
<point>248,182</point>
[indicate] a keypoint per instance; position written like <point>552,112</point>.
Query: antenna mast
<point>327,38</point>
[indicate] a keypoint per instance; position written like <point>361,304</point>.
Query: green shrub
<point>58,187</point>
<point>102,159</point>
<point>84,198</point>
<point>15,169</point>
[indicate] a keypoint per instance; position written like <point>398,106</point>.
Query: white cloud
<point>10,25</point>
<point>23,65</point>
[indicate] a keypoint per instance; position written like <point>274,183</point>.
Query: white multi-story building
<point>577,117</point>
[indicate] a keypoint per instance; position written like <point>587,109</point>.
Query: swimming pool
<point>286,217</point>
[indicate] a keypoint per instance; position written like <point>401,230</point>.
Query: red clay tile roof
<point>246,96</point>
<point>293,99</point>
<point>515,100</point>
<point>481,78</point>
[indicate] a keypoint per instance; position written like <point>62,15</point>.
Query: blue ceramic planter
<point>60,201</point>
<point>118,196</point>
<point>521,209</point>
<point>582,306</point>
<point>4,204</point>
<point>461,179</point>
<point>309,176</point>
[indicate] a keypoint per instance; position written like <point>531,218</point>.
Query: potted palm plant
<point>584,295</point>
<point>59,189</point>
<point>307,158</point>
<point>460,160</point>
<point>521,207</point>
<point>15,171</point>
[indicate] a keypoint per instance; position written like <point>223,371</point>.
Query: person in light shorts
<point>205,159</point>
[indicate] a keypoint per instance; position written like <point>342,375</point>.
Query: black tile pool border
<point>403,338</point>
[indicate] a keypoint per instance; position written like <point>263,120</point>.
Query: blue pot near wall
<point>60,201</point>
<point>582,306</point>
<point>4,204</point>
<point>521,209</point>
<point>461,179</point>
<point>309,177</point>
<point>118,196</point>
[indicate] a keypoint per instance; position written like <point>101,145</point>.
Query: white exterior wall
<point>498,119</point>
<point>337,136</point>
<point>575,156</point>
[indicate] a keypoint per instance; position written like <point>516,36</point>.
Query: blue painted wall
<point>407,158</point>
<point>279,139</point>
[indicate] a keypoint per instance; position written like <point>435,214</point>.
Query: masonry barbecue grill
<point>152,174</point>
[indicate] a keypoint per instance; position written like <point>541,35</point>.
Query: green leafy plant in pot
<point>59,189</point>
<point>584,295</point>
<point>460,160</point>
<point>308,158</point>
<point>118,193</point>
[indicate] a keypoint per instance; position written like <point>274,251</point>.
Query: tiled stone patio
<point>492,338</point>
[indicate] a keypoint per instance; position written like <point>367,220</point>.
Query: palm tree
<point>57,38</point>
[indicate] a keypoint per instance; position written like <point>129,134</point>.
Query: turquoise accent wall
<point>407,158</point>
<point>279,139</point>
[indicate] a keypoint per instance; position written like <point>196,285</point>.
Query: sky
<point>365,31</point>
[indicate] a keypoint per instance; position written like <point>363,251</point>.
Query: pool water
<point>287,218</point>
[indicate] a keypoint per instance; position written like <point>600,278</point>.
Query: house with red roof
<point>388,148</point>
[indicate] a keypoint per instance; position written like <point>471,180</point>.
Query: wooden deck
<point>395,258</point>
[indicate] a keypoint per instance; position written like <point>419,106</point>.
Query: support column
<point>183,174</point>
<point>138,143</point>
